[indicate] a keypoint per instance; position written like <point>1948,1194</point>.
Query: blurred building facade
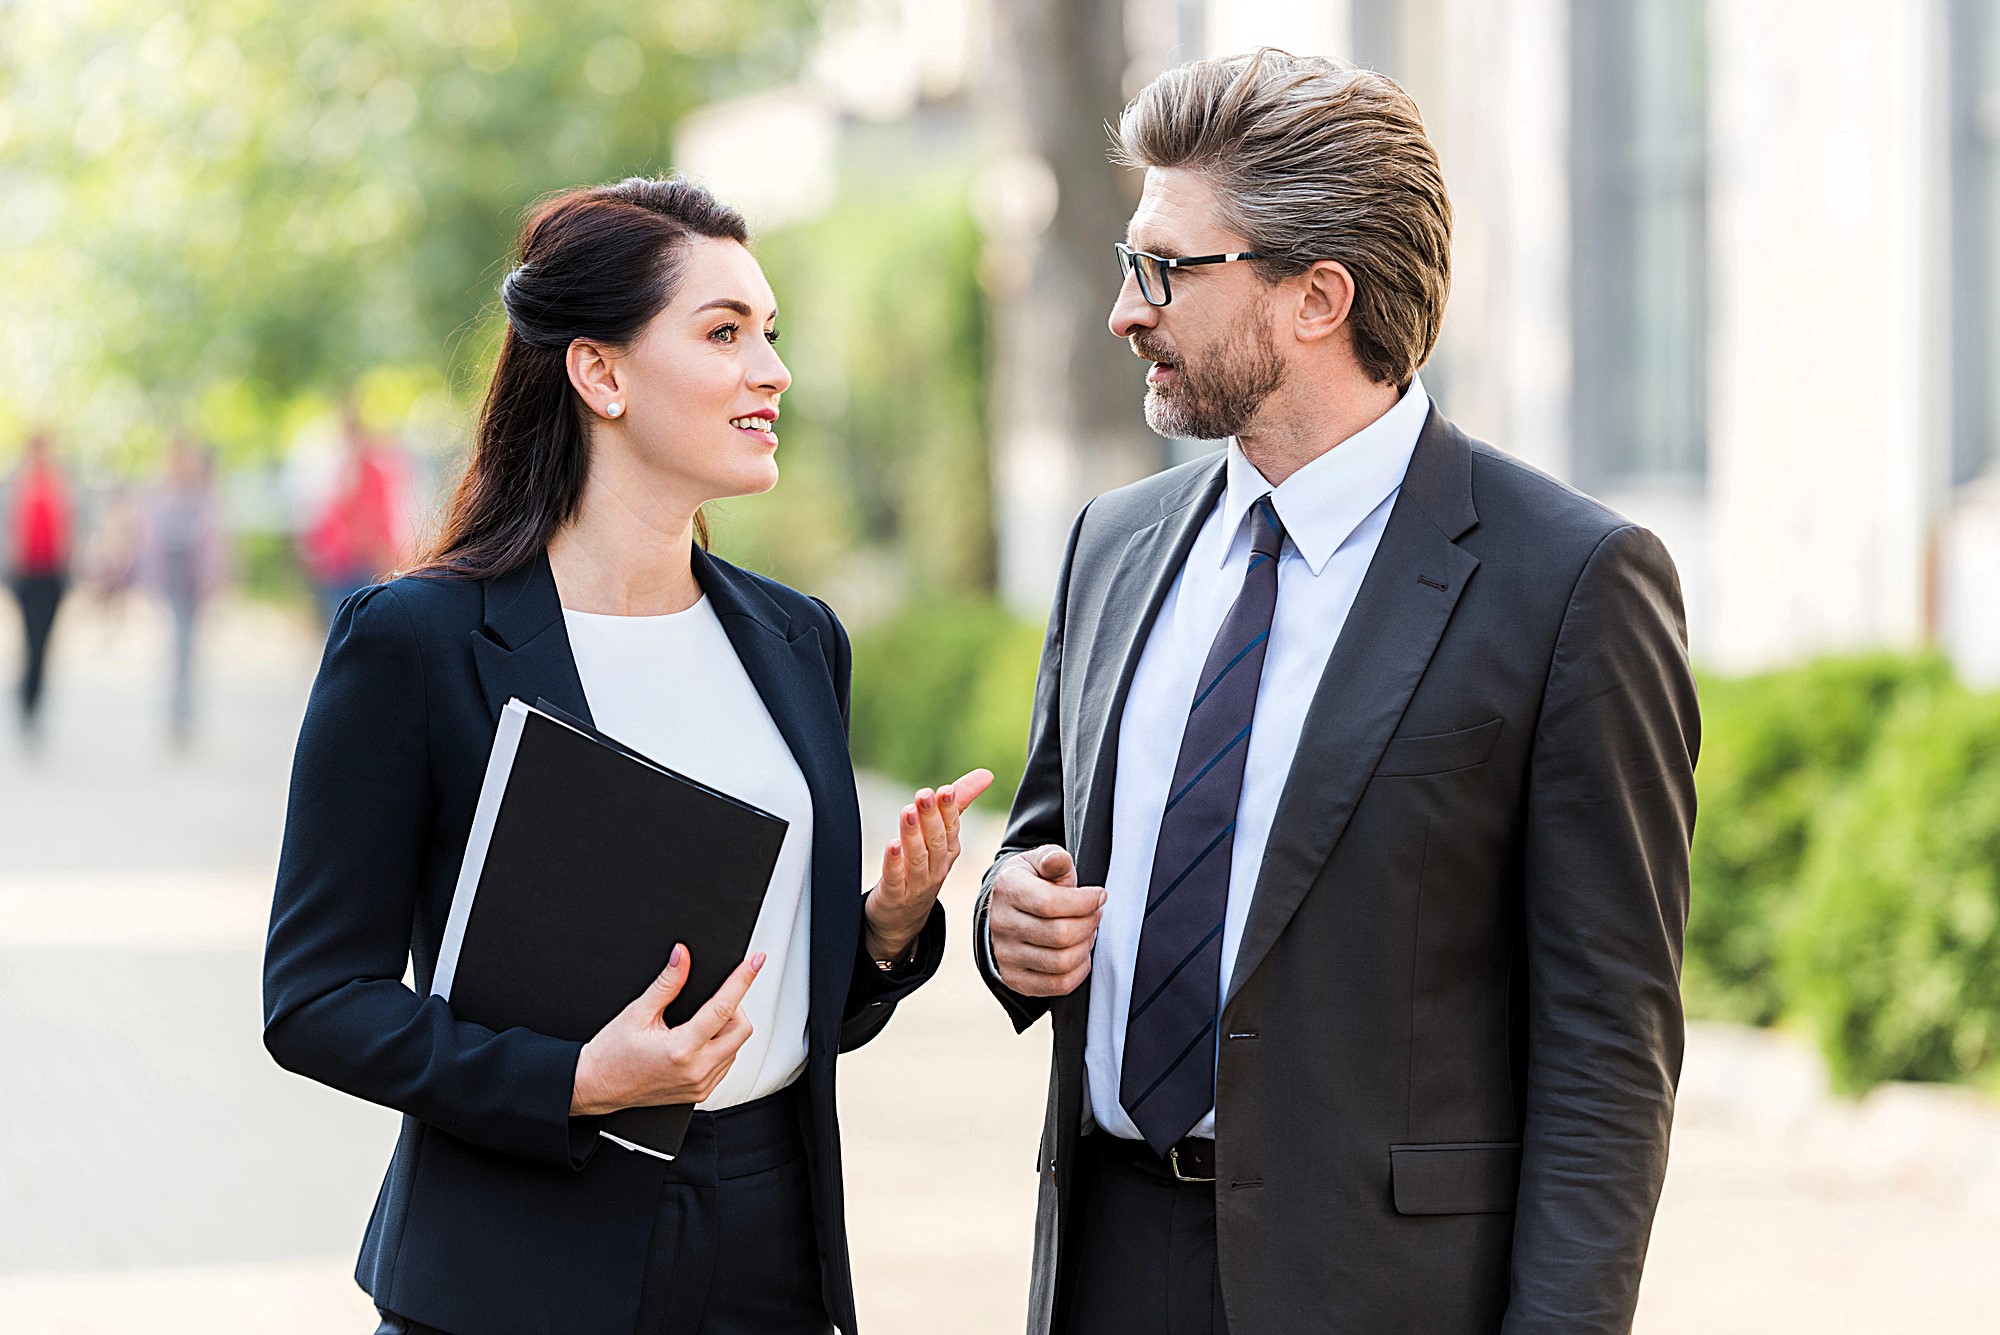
<point>1731,265</point>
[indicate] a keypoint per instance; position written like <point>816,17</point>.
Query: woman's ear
<point>594,372</point>
<point>1324,300</point>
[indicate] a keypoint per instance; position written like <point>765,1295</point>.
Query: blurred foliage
<point>268,569</point>
<point>945,688</point>
<point>222,214</point>
<point>1894,953</point>
<point>1775,750</point>
<point>1847,865</point>
<point>884,428</point>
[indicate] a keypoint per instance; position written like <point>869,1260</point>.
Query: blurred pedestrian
<point>184,560</point>
<point>39,522</point>
<point>107,561</point>
<point>359,532</point>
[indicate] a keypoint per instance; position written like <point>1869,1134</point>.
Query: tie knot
<point>1267,532</point>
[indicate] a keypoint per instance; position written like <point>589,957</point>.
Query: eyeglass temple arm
<point>1230,258</point>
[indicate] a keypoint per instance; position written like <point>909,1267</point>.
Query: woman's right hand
<point>639,1061</point>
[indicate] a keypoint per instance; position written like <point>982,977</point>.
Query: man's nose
<point>1130,312</point>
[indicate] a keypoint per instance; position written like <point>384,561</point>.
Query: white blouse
<point>672,688</point>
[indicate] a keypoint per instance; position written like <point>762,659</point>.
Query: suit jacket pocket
<point>1473,1178</point>
<point>1440,752</point>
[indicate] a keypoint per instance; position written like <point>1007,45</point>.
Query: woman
<point>38,568</point>
<point>636,381</point>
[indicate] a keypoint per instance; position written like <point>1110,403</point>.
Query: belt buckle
<point>1174,1161</point>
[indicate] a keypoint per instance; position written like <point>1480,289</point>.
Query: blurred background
<point>1732,265</point>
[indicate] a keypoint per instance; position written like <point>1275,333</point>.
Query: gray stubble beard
<point>1221,390</point>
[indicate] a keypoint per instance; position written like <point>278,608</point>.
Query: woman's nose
<point>770,374</point>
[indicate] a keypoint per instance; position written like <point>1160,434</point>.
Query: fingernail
<point>910,817</point>
<point>757,961</point>
<point>895,850</point>
<point>675,960</point>
<point>924,798</point>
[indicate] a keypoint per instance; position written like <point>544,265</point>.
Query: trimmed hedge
<point>1776,749</point>
<point>1846,859</point>
<point>1847,865</point>
<point>1893,952</point>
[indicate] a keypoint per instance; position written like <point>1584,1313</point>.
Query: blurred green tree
<point>223,213</point>
<point>885,426</point>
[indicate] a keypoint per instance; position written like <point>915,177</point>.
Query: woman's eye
<point>771,334</point>
<point>725,334</point>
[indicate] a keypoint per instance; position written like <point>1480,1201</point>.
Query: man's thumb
<point>1052,863</point>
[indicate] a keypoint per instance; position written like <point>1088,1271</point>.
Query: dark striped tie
<point>1168,1081</point>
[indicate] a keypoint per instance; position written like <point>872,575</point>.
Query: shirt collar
<point>1323,503</point>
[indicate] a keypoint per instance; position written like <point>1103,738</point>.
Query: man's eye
<point>725,334</point>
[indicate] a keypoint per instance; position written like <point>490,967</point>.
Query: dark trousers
<point>39,597</point>
<point>734,1248</point>
<point>1140,1258</point>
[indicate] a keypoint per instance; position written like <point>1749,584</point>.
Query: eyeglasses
<point>1151,270</point>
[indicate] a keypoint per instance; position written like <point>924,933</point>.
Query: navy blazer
<point>502,1214</point>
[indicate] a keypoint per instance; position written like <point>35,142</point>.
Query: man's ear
<point>1326,294</point>
<point>594,372</point>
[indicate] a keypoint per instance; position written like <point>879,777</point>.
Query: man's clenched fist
<point>1043,923</point>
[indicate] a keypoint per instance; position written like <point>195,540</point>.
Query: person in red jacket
<point>38,555</point>
<point>359,533</point>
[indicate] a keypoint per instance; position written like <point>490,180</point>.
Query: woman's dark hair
<point>595,264</point>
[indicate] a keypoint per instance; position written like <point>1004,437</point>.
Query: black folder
<point>586,864</point>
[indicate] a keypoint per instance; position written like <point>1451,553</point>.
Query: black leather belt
<point>1189,1159</point>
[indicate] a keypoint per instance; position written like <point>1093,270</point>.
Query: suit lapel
<point>789,669</point>
<point>524,649</point>
<point>1404,602</point>
<point>1153,556</point>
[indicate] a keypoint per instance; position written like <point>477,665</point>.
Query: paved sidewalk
<point>159,1174</point>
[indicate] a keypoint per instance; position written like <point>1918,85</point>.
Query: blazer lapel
<point>523,651</point>
<point>788,667</point>
<point>1404,602</point>
<point>1152,558</point>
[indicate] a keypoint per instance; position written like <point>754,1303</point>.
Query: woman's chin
<point>754,480</point>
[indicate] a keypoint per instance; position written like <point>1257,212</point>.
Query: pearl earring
<point>613,409</point>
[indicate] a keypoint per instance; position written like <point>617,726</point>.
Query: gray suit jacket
<point>1453,1029</point>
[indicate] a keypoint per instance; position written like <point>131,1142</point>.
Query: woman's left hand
<point>915,865</point>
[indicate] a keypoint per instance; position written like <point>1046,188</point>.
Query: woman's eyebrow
<point>732,304</point>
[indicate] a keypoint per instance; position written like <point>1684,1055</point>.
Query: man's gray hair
<point>1313,159</point>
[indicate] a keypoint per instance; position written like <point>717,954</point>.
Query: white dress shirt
<point>1334,510</point>
<point>671,687</point>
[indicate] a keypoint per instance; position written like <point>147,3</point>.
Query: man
<point>1350,863</point>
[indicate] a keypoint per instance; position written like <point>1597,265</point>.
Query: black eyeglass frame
<point>1128,263</point>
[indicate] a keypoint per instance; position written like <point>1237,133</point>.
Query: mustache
<point>1153,351</point>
